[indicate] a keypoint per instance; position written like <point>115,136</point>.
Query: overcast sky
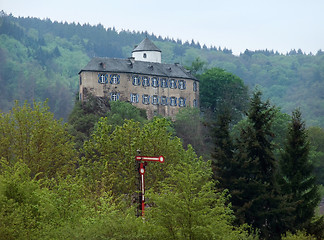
<point>280,25</point>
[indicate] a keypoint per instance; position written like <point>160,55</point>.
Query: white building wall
<point>147,56</point>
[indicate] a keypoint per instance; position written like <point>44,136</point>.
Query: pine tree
<point>258,201</point>
<point>223,164</point>
<point>297,176</point>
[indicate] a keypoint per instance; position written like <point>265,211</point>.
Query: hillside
<point>40,59</point>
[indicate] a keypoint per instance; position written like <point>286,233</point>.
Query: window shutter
<point>143,99</point>
<point>184,102</point>
<point>137,98</point>
<point>111,81</point>
<point>184,85</point>
<point>118,95</point>
<point>118,77</point>
<point>175,101</point>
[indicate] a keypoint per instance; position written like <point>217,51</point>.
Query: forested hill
<point>40,59</point>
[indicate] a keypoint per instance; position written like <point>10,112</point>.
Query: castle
<point>142,80</point>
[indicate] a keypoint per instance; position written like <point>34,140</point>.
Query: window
<point>182,84</point>
<point>144,55</point>
<point>80,81</point>
<point>195,103</point>
<point>155,100</point>
<point>114,96</point>
<point>173,101</point>
<point>173,83</point>
<point>146,82</point>
<point>155,82</point>
<point>164,83</point>
<point>134,98</point>
<point>102,78</point>
<point>146,99</point>
<point>136,80</point>
<point>164,100</point>
<point>182,102</point>
<point>195,86</point>
<point>114,79</point>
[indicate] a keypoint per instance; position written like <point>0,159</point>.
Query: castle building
<point>142,80</point>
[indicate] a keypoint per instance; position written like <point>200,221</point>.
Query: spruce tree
<point>297,176</point>
<point>258,201</point>
<point>225,168</point>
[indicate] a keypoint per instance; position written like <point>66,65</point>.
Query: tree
<point>189,127</point>
<point>188,207</point>
<point>121,111</point>
<point>31,134</point>
<point>256,196</point>
<point>221,90</point>
<point>316,138</point>
<point>297,173</point>
<point>84,116</point>
<point>109,155</point>
<point>225,167</point>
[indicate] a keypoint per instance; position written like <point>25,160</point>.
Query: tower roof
<point>146,45</point>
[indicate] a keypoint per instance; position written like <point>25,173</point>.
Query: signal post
<point>142,160</point>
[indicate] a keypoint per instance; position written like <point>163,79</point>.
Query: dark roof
<point>99,64</point>
<point>146,45</point>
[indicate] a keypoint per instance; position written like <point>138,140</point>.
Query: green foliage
<point>316,138</point>
<point>32,135</point>
<point>121,111</point>
<point>225,166</point>
<point>109,155</point>
<point>255,195</point>
<point>187,207</point>
<point>190,128</point>
<point>298,180</point>
<point>50,54</point>
<point>84,116</point>
<point>299,235</point>
<point>221,90</point>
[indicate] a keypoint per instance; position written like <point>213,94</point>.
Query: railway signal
<point>142,163</point>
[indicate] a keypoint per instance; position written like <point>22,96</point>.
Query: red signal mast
<point>142,163</point>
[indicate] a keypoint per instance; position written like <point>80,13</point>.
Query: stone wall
<point>123,86</point>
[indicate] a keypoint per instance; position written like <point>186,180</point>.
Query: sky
<point>279,25</point>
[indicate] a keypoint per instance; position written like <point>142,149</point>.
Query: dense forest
<point>41,59</point>
<point>238,167</point>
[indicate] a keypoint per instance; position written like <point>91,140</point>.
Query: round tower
<point>146,51</point>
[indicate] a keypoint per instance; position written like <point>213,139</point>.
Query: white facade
<point>147,56</point>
